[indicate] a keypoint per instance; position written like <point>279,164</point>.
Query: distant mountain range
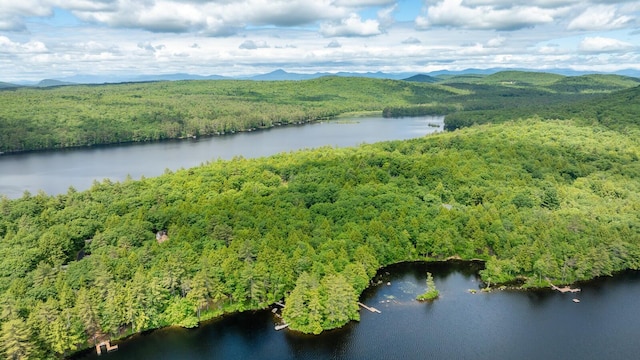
<point>423,78</point>
<point>279,75</point>
<point>42,83</point>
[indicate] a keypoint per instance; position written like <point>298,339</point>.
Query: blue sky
<point>62,38</point>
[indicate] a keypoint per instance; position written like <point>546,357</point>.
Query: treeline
<point>512,95</point>
<point>83,115</point>
<point>616,110</point>
<point>419,110</point>
<point>535,199</point>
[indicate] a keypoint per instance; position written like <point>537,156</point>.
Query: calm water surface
<point>459,325</point>
<point>54,171</point>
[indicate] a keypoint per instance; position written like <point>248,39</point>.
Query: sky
<point>42,39</point>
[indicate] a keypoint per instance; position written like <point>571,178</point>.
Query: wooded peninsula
<point>539,177</point>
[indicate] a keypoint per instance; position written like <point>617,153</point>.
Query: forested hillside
<point>612,109</point>
<point>511,95</point>
<point>85,115</point>
<point>536,199</point>
<point>67,116</point>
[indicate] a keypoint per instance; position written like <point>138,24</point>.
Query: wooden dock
<point>107,345</point>
<point>565,289</point>
<point>372,309</point>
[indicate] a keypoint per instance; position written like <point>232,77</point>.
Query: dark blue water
<point>459,325</point>
<point>54,171</point>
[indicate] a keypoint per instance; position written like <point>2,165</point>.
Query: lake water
<point>458,325</point>
<point>54,171</point>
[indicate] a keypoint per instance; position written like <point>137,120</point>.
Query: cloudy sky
<point>60,38</point>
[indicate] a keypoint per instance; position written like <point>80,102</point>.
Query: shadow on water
<point>458,325</point>
<point>329,345</point>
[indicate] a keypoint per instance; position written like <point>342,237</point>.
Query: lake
<point>459,325</point>
<point>54,171</point>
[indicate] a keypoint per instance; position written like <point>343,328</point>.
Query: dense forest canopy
<point>554,196</point>
<point>85,115</point>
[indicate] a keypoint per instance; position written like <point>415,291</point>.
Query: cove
<point>55,171</point>
<point>506,324</point>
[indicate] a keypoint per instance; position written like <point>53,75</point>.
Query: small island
<point>432,293</point>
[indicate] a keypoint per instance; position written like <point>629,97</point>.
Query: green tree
<point>87,309</point>
<point>15,340</point>
<point>296,312</point>
<point>550,198</point>
<point>65,333</point>
<point>432,293</point>
<point>340,301</point>
<point>199,293</point>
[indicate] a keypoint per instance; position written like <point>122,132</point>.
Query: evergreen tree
<point>340,301</point>
<point>87,309</point>
<point>15,340</point>
<point>431,293</point>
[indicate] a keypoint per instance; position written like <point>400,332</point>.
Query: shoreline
<point>475,266</point>
<point>342,116</point>
<point>170,139</point>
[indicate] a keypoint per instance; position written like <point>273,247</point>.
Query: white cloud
<point>32,47</point>
<point>334,44</point>
<point>158,16</point>
<point>84,5</point>
<point>536,3</point>
<point>600,17</point>
<point>386,17</point>
<point>351,26</point>
<point>216,18</point>
<point>411,41</point>
<point>496,42</point>
<point>285,12</point>
<point>252,45</point>
<point>25,8</point>
<point>458,14</point>
<point>12,13</point>
<point>550,49</point>
<point>148,47</point>
<point>11,24</point>
<point>602,44</point>
<point>213,18</point>
<point>365,3</point>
